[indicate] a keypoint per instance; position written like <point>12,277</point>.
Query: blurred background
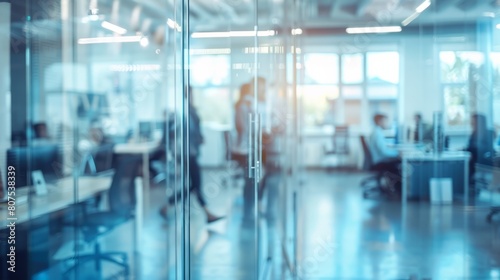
<point>177,139</point>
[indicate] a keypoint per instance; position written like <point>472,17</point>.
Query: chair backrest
<point>121,194</point>
<point>368,161</point>
<point>341,140</point>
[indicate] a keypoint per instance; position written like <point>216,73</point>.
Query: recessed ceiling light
<point>374,29</point>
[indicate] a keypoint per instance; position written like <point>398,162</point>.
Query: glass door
<point>227,94</point>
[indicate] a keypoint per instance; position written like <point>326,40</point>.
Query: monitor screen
<point>146,130</point>
<point>27,159</point>
<point>92,105</point>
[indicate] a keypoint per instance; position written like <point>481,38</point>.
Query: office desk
<point>144,149</point>
<point>419,167</point>
<point>60,195</point>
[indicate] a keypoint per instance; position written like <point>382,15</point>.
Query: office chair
<point>490,177</point>
<point>340,142</point>
<point>121,201</point>
<point>374,182</point>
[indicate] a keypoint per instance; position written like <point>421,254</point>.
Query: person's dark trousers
<point>195,182</point>
<point>391,170</point>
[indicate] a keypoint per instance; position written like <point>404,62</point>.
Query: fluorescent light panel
<point>228,34</point>
<point>297,31</point>
<point>375,29</point>
<point>113,27</point>
<point>107,40</point>
<point>423,6</point>
<point>409,19</point>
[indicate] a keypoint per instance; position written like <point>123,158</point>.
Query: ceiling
<point>223,15</point>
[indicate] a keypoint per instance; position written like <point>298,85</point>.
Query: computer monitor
<point>27,159</point>
<point>146,130</point>
<point>92,105</point>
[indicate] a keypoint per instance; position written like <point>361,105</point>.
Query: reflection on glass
<point>352,68</point>
<point>456,101</point>
<point>383,67</point>
<point>321,68</point>
<point>455,65</point>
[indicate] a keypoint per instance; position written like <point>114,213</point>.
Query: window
<point>210,70</point>
<point>333,97</point>
<point>321,68</point>
<point>382,67</point>
<point>382,83</point>
<point>318,103</point>
<point>455,79</point>
<point>352,68</point>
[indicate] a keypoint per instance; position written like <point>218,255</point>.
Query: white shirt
<point>378,146</point>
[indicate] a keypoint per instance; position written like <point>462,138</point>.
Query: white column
<point>5,128</point>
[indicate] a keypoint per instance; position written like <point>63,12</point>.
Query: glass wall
<point>196,139</point>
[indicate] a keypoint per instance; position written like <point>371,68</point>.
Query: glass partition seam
<point>29,110</point>
<point>186,204</point>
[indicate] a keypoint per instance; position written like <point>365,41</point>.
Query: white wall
<point>5,131</point>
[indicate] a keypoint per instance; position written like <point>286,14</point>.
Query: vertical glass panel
<point>352,68</point>
<point>495,60</point>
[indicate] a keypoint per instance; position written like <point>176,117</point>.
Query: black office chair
<point>372,184</point>
<point>492,183</point>
<point>122,202</point>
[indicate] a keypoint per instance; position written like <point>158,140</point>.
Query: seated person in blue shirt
<point>385,157</point>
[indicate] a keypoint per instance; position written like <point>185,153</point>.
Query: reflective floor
<point>340,236</point>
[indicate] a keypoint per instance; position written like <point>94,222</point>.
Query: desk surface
<point>60,195</point>
<point>446,155</point>
<point>136,148</point>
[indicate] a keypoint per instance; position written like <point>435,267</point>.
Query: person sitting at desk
<point>382,155</point>
<point>422,130</point>
<point>481,143</point>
